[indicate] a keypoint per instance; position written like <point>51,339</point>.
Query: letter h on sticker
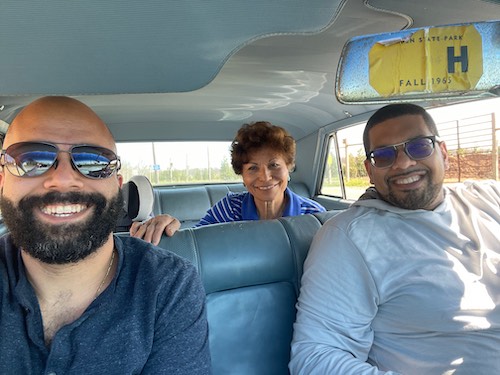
<point>463,59</point>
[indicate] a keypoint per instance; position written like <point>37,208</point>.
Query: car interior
<point>198,70</point>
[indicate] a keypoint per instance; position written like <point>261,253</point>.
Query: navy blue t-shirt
<point>150,320</point>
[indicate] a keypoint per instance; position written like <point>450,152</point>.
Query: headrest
<point>138,198</point>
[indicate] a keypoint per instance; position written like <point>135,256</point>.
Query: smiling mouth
<point>266,187</point>
<point>408,179</point>
<point>63,210</point>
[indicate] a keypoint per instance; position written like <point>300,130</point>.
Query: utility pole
<point>156,168</point>
<point>494,144</point>
<point>347,167</point>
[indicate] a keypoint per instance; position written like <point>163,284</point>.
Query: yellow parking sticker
<point>429,60</point>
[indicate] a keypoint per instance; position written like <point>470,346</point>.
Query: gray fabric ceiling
<point>197,70</point>
<point>123,46</point>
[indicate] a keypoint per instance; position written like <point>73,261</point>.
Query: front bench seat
<point>251,272</point>
<point>138,200</point>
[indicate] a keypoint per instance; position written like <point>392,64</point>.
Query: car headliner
<point>197,70</point>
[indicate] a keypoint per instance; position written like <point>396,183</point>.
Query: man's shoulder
<point>350,215</point>
<point>137,251</point>
<point>157,270</point>
<point>486,190</point>
<point>489,186</point>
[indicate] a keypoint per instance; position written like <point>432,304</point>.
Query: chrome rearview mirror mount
<point>454,61</point>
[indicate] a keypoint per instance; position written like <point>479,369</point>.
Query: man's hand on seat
<point>152,229</point>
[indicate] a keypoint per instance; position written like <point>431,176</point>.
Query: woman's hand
<point>151,230</point>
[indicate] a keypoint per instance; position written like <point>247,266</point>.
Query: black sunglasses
<point>417,149</point>
<point>32,159</point>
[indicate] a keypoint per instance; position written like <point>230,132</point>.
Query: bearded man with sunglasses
<point>74,298</point>
<point>407,280</point>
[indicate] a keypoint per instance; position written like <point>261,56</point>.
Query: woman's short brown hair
<point>259,135</point>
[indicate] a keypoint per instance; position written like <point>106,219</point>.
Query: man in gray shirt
<point>405,281</point>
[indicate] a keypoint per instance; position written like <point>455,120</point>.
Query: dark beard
<point>414,199</point>
<point>65,243</point>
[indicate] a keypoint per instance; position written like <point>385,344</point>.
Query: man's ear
<point>2,178</point>
<point>120,180</point>
<point>444,153</point>
<point>368,167</point>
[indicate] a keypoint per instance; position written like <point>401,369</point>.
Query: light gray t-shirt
<point>387,290</point>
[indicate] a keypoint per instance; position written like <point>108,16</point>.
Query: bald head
<point>59,119</point>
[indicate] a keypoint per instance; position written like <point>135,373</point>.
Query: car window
<point>345,149</point>
<point>471,133</point>
<point>173,163</point>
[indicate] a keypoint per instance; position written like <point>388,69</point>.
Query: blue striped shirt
<point>241,206</point>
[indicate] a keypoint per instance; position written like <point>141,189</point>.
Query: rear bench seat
<point>251,272</point>
<point>189,204</point>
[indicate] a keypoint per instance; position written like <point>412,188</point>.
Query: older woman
<point>264,155</point>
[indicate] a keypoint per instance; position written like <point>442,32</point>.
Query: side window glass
<point>332,182</point>
<point>471,132</point>
<point>353,157</point>
<point>350,154</point>
<point>472,144</point>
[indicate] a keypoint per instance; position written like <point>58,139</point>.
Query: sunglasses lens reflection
<point>416,149</point>
<point>94,162</point>
<point>420,148</point>
<point>383,157</point>
<point>31,159</point>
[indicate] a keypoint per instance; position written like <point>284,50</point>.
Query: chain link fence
<point>472,147</point>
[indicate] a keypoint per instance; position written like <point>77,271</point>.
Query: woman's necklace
<point>268,211</point>
<point>107,274</point>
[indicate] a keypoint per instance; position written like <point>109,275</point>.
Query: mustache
<point>66,198</point>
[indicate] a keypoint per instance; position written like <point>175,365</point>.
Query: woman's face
<point>266,175</point>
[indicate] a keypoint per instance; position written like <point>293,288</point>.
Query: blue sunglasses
<point>417,149</point>
<point>32,159</point>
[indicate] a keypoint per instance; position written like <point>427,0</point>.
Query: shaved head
<point>59,119</point>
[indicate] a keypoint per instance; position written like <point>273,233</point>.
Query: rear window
<point>174,163</point>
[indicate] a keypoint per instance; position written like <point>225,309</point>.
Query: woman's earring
<point>288,177</point>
